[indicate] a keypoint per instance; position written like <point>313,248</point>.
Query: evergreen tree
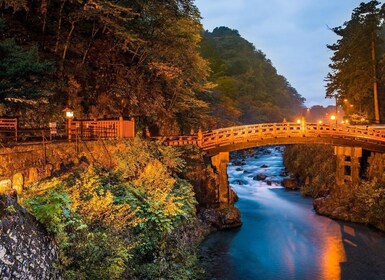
<point>355,65</point>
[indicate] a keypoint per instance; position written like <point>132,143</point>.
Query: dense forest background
<point>248,87</point>
<point>146,59</point>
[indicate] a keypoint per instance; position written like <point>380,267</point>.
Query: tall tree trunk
<point>43,9</point>
<point>59,25</point>
<point>66,46</point>
<point>95,31</point>
<point>375,86</point>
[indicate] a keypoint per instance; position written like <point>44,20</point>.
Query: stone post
<point>200,137</point>
<point>121,127</point>
<point>220,162</point>
<point>348,156</point>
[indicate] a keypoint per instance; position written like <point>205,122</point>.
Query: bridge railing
<point>178,140</point>
<point>251,132</point>
<point>237,134</point>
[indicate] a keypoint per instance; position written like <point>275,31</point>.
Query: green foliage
<point>315,162</point>
<point>2,24</point>
<point>52,209</point>
<point>363,203</point>
<point>139,207</point>
<point>119,58</point>
<point>20,72</point>
<point>352,64</point>
<point>10,209</point>
<point>248,90</point>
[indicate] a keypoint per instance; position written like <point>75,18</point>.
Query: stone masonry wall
<point>26,250</point>
<point>23,165</point>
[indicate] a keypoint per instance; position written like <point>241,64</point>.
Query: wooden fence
<point>101,129</point>
<point>8,128</point>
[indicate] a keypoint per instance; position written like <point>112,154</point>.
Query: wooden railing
<point>238,134</point>
<point>101,129</point>
<point>9,126</point>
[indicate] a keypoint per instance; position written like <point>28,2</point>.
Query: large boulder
<point>290,183</point>
<point>260,177</point>
<point>221,217</point>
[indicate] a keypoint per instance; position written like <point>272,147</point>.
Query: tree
<point>21,76</point>
<point>249,89</point>
<point>130,58</point>
<point>355,59</point>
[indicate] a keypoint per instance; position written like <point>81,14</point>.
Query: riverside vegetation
<point>364,203</point>
<point>152,60</point>
<point>136,220</point>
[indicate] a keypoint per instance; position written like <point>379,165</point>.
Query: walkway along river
<point>283,238</point>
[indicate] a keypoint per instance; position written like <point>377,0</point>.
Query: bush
<point>117,223</point>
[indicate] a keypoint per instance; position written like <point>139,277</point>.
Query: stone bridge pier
<point>220,162</point>
<point>348,165</point>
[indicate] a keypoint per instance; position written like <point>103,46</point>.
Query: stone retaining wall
<point>26,250</point>
<point>23,165</point>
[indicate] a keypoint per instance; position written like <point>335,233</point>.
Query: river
<point>283,238</point>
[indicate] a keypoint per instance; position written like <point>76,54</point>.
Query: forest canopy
<point>145,59</point>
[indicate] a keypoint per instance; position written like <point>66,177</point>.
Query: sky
<point>292,33</point>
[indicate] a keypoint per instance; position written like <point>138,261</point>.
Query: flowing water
<point>283,238</point>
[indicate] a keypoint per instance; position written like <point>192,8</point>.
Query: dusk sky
<point>292,33</point>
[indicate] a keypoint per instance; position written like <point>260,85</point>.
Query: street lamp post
<point>333,117</point>
<point>69,114</point>
<point>336,115</point>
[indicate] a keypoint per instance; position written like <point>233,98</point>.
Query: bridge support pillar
<point>347,165</point>
<point>220,162</point>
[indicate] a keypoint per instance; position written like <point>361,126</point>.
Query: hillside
<point>249,89</point>
<point>146,60</point>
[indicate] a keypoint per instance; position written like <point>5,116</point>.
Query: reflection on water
<point>283,238</point>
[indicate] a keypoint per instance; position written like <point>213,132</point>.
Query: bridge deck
<point>240,137</point>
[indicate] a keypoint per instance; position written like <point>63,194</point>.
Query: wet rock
<point>269,183</point>
<point>234,196</point>
<point>230,217</point>
<point>264,166</point>
<point>247,172</point>
<point>266,152</point>
<point>238,163</point>
<point>260,177</point>
<point>221,217</point>
<point>290,183</point>
<point>239,182</point>
<point>239,169</point>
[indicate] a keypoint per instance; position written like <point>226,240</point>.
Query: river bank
<point>314,167</point>
<point>283,238</point>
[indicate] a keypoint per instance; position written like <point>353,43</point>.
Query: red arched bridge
<point>347,140</point>
<point>248,136</point>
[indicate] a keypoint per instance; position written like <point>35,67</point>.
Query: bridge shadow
<point>359,241</point>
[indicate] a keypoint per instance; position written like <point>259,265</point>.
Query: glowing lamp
<point>69,113</point>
